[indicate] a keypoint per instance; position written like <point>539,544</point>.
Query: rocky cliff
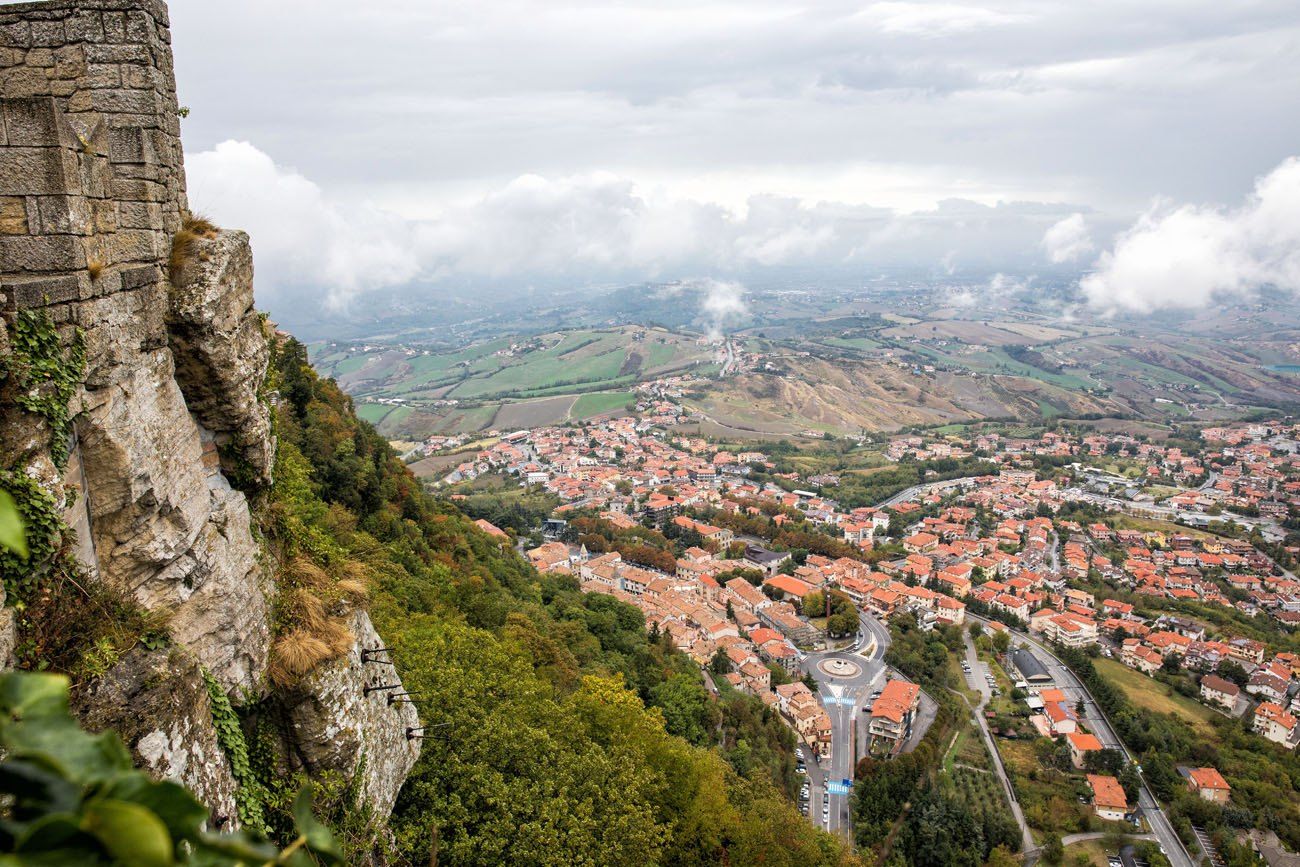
<point>135,425</point>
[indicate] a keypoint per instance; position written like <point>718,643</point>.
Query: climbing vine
<point>249,794</point>
<point>47,374</point>
<point>43,526</point>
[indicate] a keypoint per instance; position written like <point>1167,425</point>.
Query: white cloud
<point>300,237</point>
<point>577,230</point>
<point>723,305</point>
<point>902,102</point>
<point>1067,240</point>
<point>1189,256</point>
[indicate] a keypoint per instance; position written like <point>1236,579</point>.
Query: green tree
<point>687,708</point>
<point>1052,850</point>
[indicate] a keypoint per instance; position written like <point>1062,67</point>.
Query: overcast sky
<point>556,140</point>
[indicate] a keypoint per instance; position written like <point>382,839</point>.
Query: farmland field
<point>1148,693</point>
<point>507,381</point>
<point>600,402</point>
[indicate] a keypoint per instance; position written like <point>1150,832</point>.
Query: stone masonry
<point>92,194</point>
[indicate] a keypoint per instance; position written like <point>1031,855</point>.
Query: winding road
<point>1095,719</point>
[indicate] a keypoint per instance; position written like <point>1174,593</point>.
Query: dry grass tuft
<point>95,267</point>
<point>309,611</point>
<point>338,637</point>
<point>194,228</point>
<point>357,591</point>
<point>296,653</point>
<point>304,573</point>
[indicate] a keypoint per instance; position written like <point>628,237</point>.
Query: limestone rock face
<point>158,703</point>
<point>337,726</point>
<point>220,349</point>
<point>169,429</point>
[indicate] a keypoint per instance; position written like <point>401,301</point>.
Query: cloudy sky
<point>406,142</point>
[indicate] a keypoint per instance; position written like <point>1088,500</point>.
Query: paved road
<point>977,679</point>
<point>843,697</point>
<point>912,492</point>
<point>1097,835</point>
<point>1096,720</point>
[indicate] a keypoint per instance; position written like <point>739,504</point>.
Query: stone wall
<point>169,413</point>
<point>92,185</point>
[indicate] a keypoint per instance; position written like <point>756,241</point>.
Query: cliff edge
<point>136,425</point>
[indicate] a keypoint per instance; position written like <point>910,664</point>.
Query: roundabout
<point>838,667</point>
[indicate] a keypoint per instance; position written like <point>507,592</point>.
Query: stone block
<point>39,293</point>
<point>52,253</point>
<point>117,54</point>
<point>10,57</point>
<point>129,144</point>
<point>24,81</point>
<point>64,215</point>
<point>132,245</point>
<point>41,57</point>
<point>141,77</point>
<point>108,283</point>
<point>33,171</point>
<point>139,276</point>
<point>84,26</point>
<point>139,215</point>
<point>127,190</point>
<point>48,33</point>
<point>13,215</point>
<point>63,87</point>
<point>114,26</point>
<point>138,171</point>
<point>127,101</point>
<point>69,62</point>
<point>34,121</point>
<point>16,35</point>
<point>104,215</point>
<point>140,27</point>
<point>102,75</point>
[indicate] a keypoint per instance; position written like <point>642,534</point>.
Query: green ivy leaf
<point>34,696</point>
<point>180,811</point>
<point>13,534</point>
<point>131,833</point>
<point>319,838</point>
<point>237,845</point>
<point>53,833</point>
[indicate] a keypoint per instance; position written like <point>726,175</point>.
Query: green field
<point>593,366</point>
<point>600,402</point>
<point>1149,693</point>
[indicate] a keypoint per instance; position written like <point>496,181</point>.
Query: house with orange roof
<point>919,543</point>
<point>1108,799</point>
<point>1276,724</point>
<point>1082,743</point>
<point>1209,784</point>
<point>892,715</point>
<point>788,585</point>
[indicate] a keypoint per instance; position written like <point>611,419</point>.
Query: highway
<point>1095,720</point>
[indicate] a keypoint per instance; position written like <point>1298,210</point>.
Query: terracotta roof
<point>1107,792</point>
<point>1083,742</point>
<point>1208,778</point>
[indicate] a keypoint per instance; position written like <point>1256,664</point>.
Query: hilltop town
<point>1168,560</point>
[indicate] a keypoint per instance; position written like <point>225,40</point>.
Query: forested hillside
<point>557,730</point>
